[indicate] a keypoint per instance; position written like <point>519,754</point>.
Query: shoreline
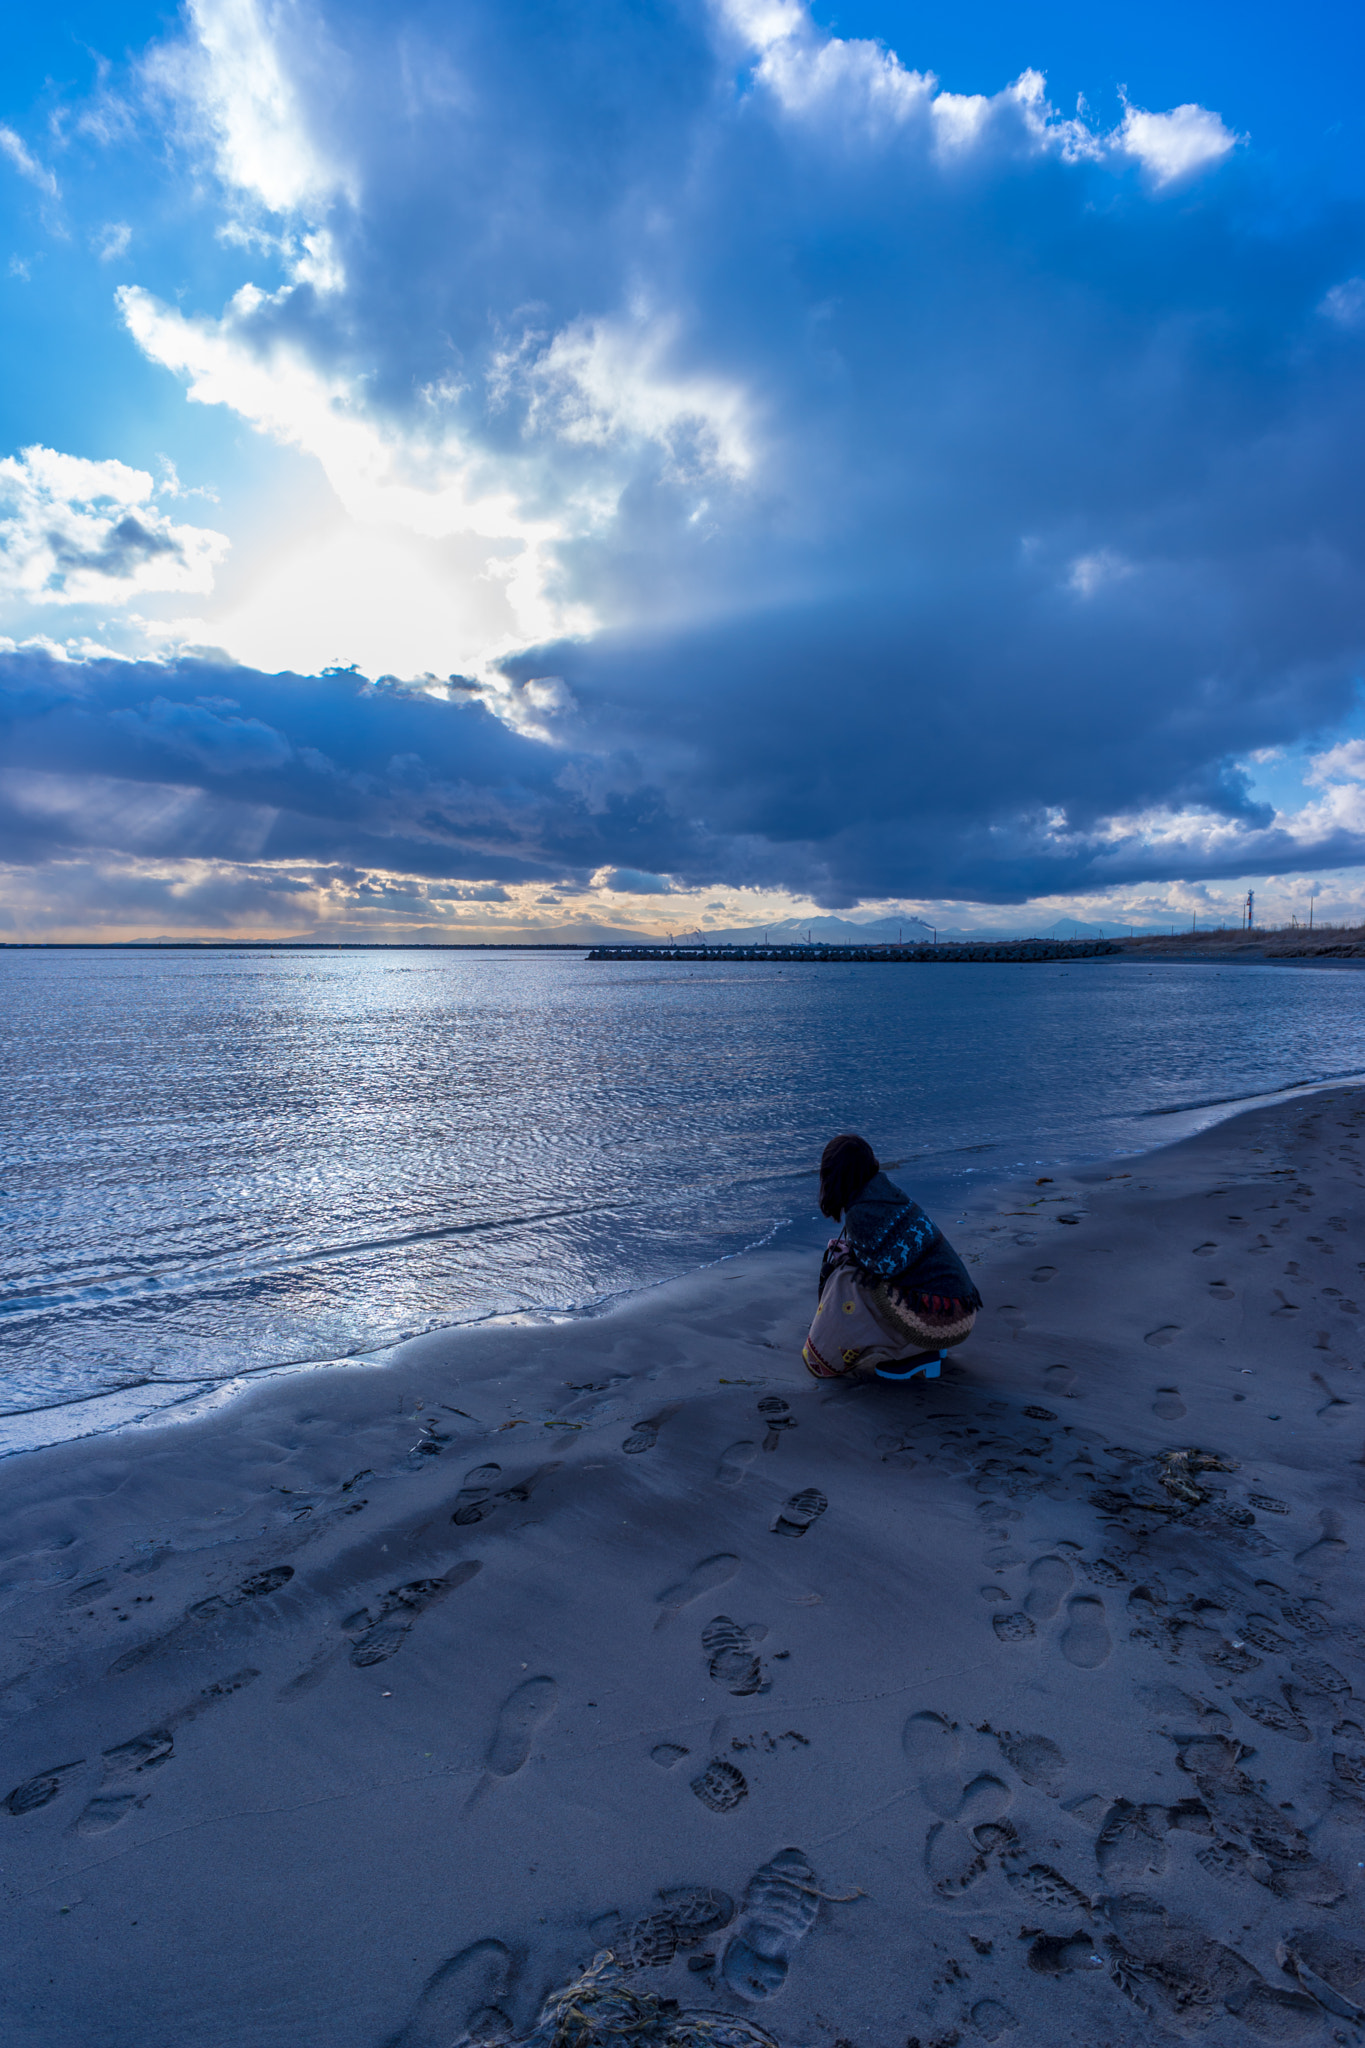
<point>374,1704</point>
<point>135,1406</point>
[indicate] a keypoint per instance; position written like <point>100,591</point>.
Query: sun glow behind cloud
<point>843,488</point>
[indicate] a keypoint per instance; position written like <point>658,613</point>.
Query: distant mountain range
<point>790,931</point>
<point>887,931</point>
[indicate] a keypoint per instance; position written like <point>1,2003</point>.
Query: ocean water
<point>218,1162</point>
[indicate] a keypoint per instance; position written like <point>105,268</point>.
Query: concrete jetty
<point>1003,949</point>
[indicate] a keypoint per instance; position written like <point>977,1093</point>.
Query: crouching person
<point>894,1295</point>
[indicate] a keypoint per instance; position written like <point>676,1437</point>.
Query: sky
<point>655,465</point>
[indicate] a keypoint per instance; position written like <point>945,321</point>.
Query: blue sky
<point>470,469</point>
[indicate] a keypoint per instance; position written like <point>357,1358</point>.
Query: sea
<point>220,1162</point>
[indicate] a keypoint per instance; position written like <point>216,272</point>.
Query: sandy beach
<point>1017,1706</point>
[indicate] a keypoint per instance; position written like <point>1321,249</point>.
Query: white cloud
<point>413,483</point>
<point>603,379</point>
<point>1345,303</point>
<point>12,146</point>
<point>631,882</point>
<point>242,87</point>
<point>860,87</point>
<point>1344,763</point>
<point>1175,145</point>
<point>1092,572</point>
<point>112,240</point>
<point>77,532</point>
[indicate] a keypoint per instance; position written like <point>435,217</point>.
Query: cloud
<point>632,882</point>
<point>770,467</point>
<point>240,70</point>
<point>1178,145</point>
<point>1345,303</point>
<point>78,532</point>
<point>222,746</point>
<point>13,146</point>
<point>112,240</point>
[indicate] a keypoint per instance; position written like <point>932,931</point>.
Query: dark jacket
<point>890,1238</point>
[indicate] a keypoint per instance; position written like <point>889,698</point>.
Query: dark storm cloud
<point>208,762</point>
<point>985,489</point>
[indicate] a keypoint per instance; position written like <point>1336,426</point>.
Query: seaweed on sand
<point>596,2010</point>
<point>1179,1472</point>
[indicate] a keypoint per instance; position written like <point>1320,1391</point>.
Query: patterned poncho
<point>891,1239</point>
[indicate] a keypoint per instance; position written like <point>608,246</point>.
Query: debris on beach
<point>1178,1469</point>
<point>597,2010</point>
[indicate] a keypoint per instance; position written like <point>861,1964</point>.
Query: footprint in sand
<point>690,1913</point>
<point>1321,1677</point>
<point>106,1810</point>
<point>1335,1407</point>
<point>261,1583</point>
<point>1013,1628</point>
<point>776,1417</point>
<point>41,1789</point>
<point>1129,1846</point>
<point>732,1659</point>
<point>932,1746</point>
<point>991,2019</point>
<point>957,1856</point>
<point>465,2000</point>
<point>1287,1308</point>
<point>1168,1404</point>
<point>705,1577</point>
<point>1167,1334</point>
<point>645,1433</point>
<point>697,1911</point>
<point>1330,1547</point>
<point>1101,1572</point>
<point>667,1754</point>
<point>1047,1887</point>
<point>1050,1580</point>
<point>524,1488</point>
<point>118,1796</point>
<point>375,1638</point>
<point>1042,1274</point>
<point>800,1512</point>
<point>1059,1380</point>
<point>1220,1290</point>
<point>779,1910</point>
<point>1037,1759</point>
<point>1085,1639</point>
<point>523,1713</point>
<point>256,1586</point>
<point>721,1786</point>
<point>735,1462</point>
<point>472,1502</point>
<point>1308,1617</point>
<point>1205,1251</point>
<point>1275,1715</point>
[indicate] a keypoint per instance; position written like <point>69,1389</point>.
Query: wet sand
<point>368,1709</point>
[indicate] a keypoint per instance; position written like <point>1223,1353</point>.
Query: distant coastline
<point>1332,947</point>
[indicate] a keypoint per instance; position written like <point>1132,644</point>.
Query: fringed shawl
<point>892,1239</point>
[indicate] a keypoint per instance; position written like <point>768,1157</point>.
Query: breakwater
<point>1004,949</point>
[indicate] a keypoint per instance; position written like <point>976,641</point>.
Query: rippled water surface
<point>217,1161</point>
